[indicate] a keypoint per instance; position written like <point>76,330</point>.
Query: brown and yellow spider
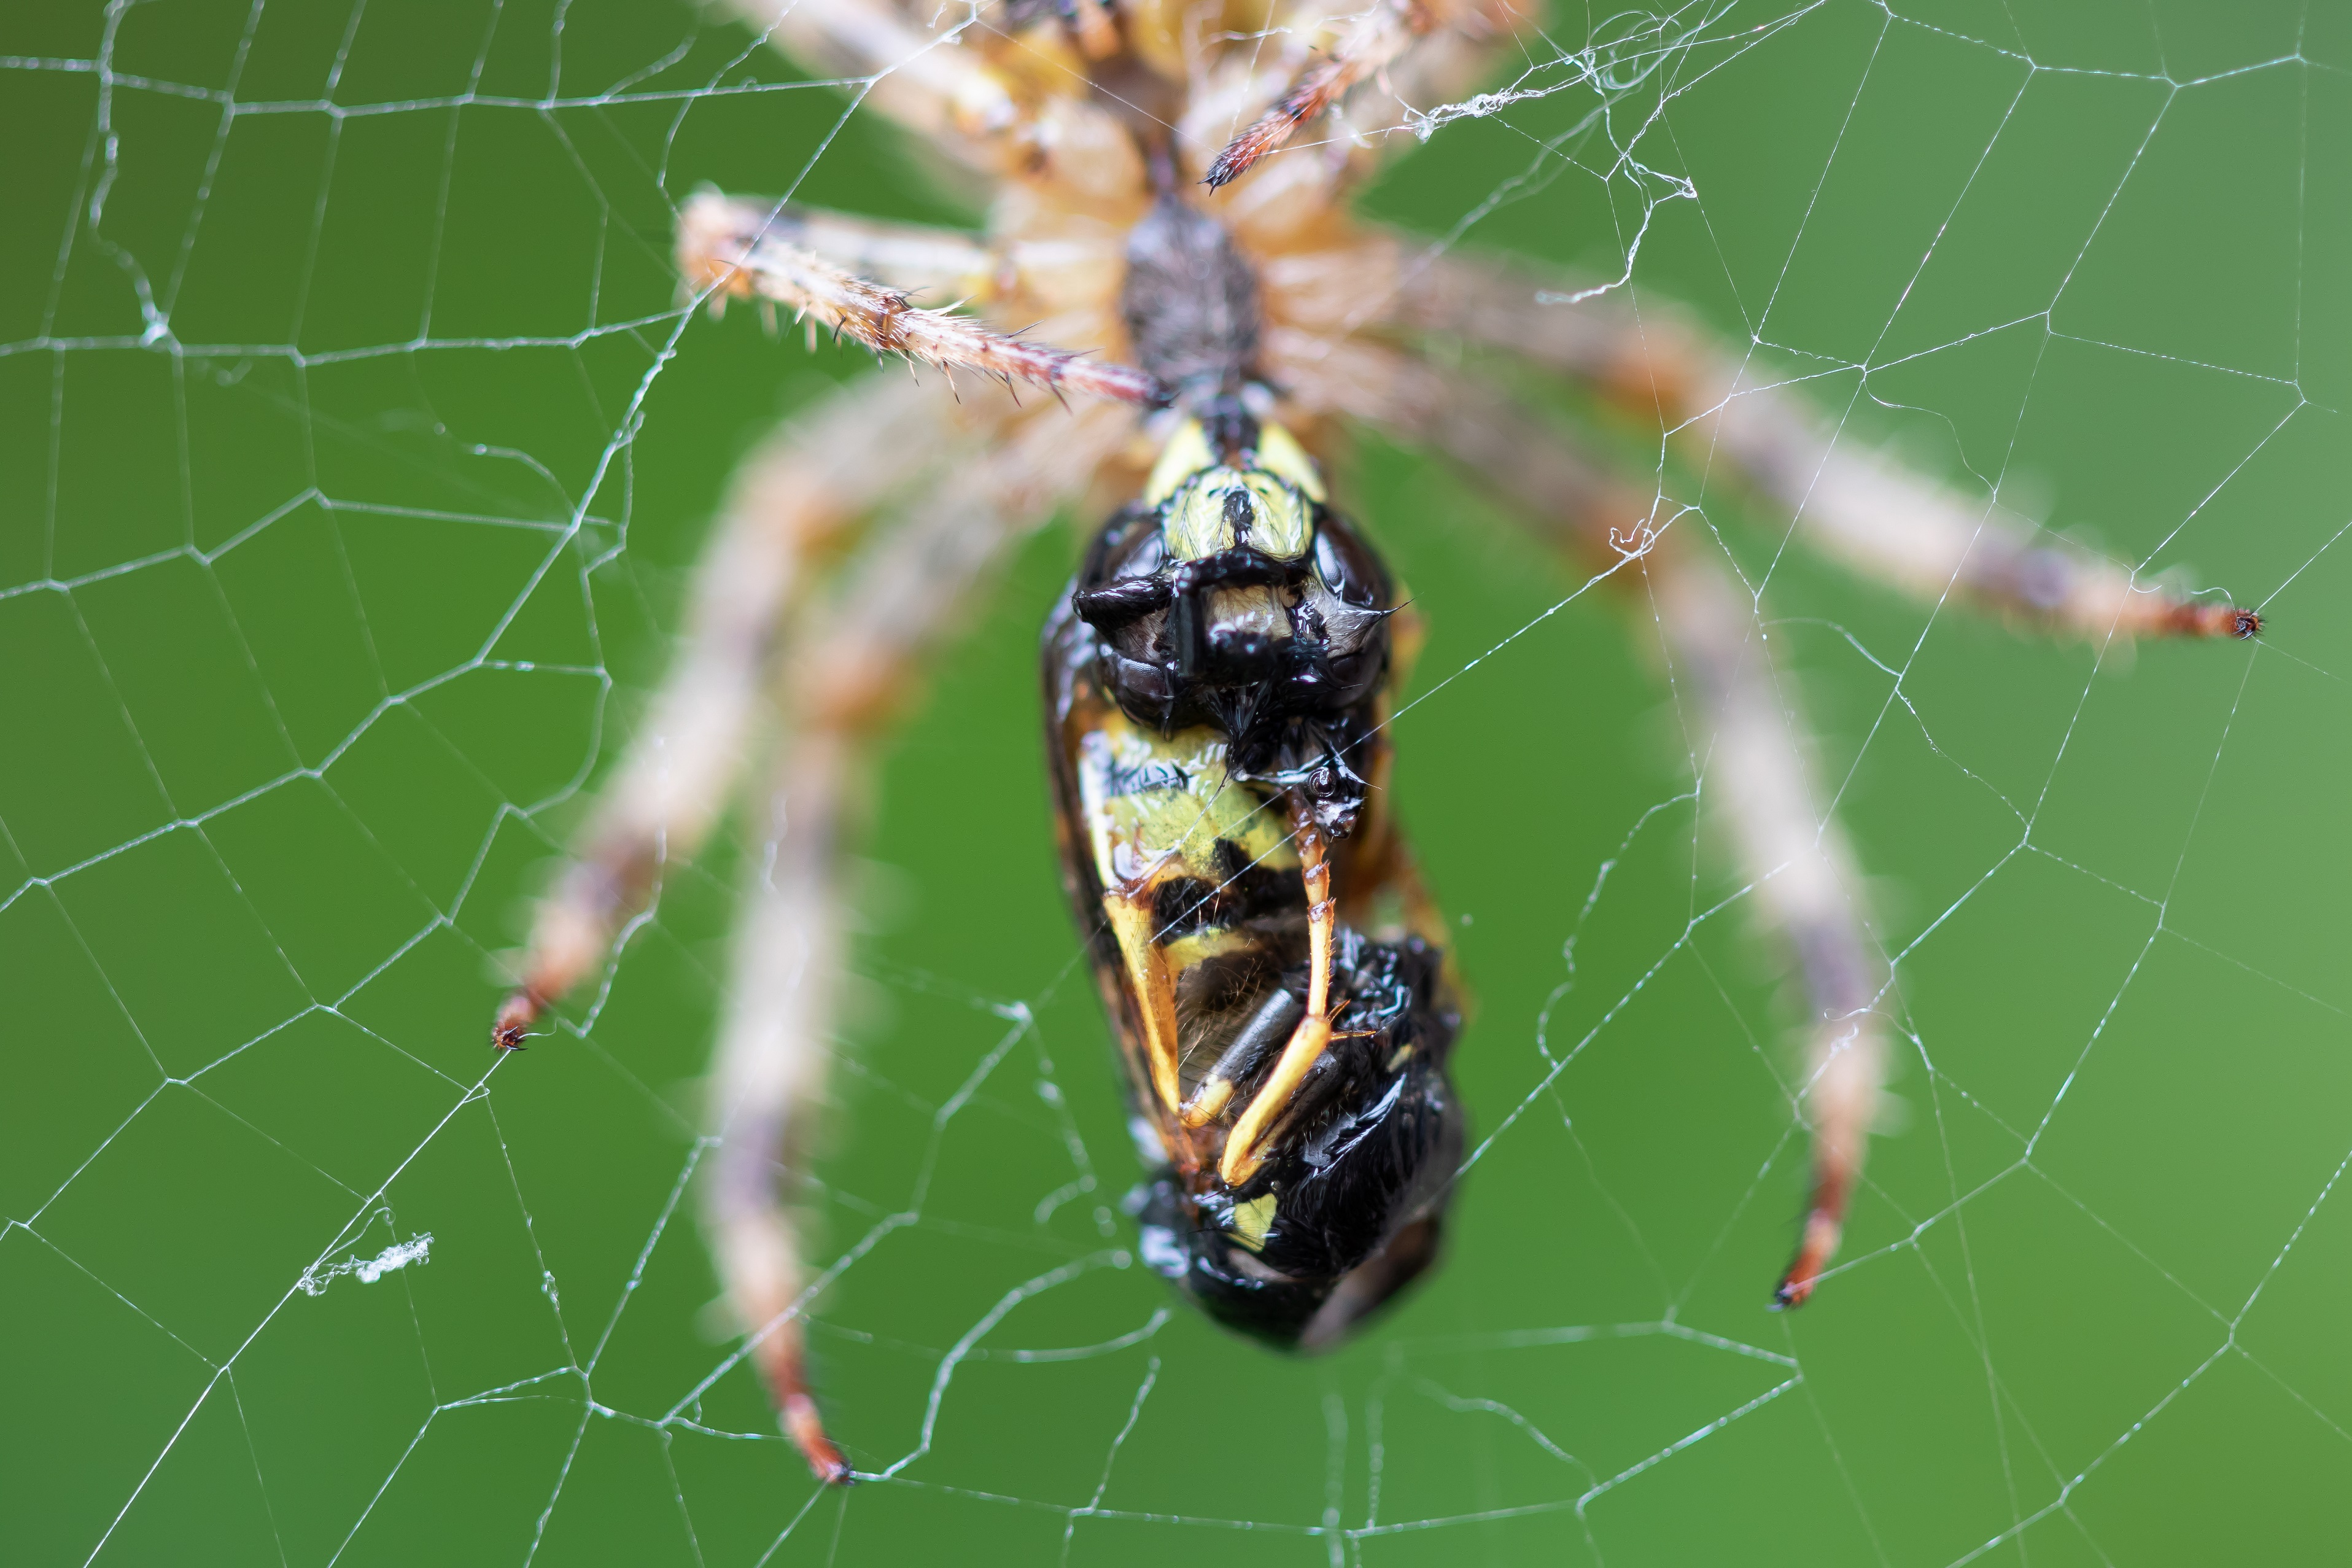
<point>1218,680</point>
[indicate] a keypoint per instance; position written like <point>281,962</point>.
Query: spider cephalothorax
<point>1219,677</point>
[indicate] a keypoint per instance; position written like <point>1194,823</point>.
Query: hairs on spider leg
<point>727,249</point>
<point>1378,37</point>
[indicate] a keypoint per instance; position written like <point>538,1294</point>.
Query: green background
<point>326,592</point>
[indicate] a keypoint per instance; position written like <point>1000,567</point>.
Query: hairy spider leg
<point>1567,496</point>
<point>1376,37</point>
<point>732,249</point>
<point>1747,739</point>
<point>842,684</point>
<point>927,81</point>
<point>1006,470</point>
<point>1245,1145</point>
<point>804,494</point>
<point>1389,39</point>
<point>945,264</point>
<point>1858,506</point>
<point>992,102</point>
<point>770,1069</point>
<point>1861,508</point>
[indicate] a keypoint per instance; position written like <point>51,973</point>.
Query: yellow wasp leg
<point>1208,1103</point>
<point>1276,1016</point>
<point>1133,923</point>
<point>1244,1152</point>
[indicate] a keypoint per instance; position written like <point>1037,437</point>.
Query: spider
<point>1210,317</point>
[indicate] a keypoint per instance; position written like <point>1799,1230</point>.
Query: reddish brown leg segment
<point>1823,1222</point>
<point>787,1376</point>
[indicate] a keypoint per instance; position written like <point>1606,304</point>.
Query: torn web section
<point>344,581</point>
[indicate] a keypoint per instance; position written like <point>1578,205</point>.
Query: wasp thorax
<point>1230,594</point>
<point>1266,501</point>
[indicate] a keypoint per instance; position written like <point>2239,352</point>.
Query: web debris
<point>368,1270</point>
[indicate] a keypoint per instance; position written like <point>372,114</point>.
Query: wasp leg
<point>1136,926</point>
<point>1274,1022</point>
<point>1244,1150</point>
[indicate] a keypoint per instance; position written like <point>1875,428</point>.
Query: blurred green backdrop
<point>354,454</point>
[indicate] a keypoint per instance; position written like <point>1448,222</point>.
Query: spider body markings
<point>1219,677</point>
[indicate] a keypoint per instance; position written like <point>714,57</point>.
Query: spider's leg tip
<point>807,1429</point>
<point>1794,1291</point>
<point>516,1016</point>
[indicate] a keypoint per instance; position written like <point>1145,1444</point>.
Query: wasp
<point>1218,683</point>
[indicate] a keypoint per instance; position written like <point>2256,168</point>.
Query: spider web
<point>356,449</point>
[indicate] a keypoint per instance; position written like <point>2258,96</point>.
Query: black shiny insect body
<point>1284,656</point>
<point>1217,683</point>
<point>1355,1200</point>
